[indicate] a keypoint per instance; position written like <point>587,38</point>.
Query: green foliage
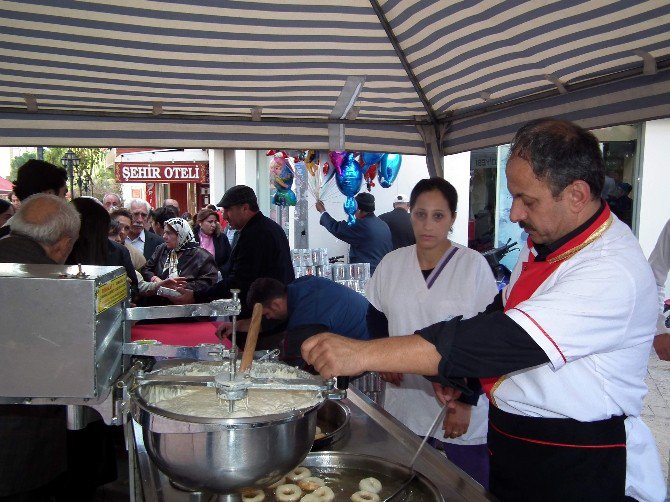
<point>17,162</point>
<point>95,177</point>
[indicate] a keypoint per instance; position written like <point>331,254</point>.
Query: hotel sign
<point>184,172</point>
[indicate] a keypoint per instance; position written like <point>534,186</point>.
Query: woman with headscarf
<point>180,260</point>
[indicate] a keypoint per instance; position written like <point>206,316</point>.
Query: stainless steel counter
<point>371,431</point>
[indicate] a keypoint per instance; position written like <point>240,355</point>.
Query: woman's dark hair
<point>114,228</point>
<point>203,214</point>
<point>4,205</point>
<point>560,152</point>
<point>37,176</point>
<point>440,184</point>
<point>93,242</point>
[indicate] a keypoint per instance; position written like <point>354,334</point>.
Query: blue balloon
<point>350,206</point>
<point>370,158</point>
<point>349,181</point>
<point>388,169</point>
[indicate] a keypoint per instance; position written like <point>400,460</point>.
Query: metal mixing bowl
<point>223,455</point>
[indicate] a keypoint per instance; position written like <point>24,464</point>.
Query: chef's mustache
<point>525,226</point>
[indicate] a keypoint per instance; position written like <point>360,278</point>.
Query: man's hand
<point>394,378</point>
<point>446,395</point>
<point>662,346</point>
<point>185,298</point>
<point>226,329</point>
<point>334,355</point>
<point>320,206</point>
<point>173,282</point>
<point>457,420</point>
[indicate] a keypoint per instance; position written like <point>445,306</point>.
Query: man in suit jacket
<point>399,222</point>
<point>33,438</point>
<point>145,242</point>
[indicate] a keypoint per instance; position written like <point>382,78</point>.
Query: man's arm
<point>339,229</point>
<point>454,349</point>
<point>659,259</point>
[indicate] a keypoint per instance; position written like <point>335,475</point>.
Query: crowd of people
<point>542,382</point>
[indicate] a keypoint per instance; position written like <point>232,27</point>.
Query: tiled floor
<point>656,412</point>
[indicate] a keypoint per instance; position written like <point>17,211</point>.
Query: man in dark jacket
<point>33,438</point>
<point>399,222</point>
<point>262,250</point>
<point>369,238</point>
<point>307,306</point>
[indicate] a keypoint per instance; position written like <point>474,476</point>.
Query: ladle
<point>412,474</point>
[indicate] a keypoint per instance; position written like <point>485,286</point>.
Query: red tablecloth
<point>187,334</point>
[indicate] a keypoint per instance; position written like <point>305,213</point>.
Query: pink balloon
<point>336,159</point>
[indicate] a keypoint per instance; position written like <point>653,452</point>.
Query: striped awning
<point>324,74</point>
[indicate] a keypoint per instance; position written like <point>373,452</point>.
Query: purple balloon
<point>388,169</point>
<point>336,159</point>
<point>371,158</point>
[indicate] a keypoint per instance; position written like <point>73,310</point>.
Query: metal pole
<point>70,175</point>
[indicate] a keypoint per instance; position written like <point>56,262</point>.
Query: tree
<point>17,162</point>
<point>91,176</point>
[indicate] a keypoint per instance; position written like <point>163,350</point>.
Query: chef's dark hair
<point>263,290</point>
<point>560,152</point>
<point>440,184</point>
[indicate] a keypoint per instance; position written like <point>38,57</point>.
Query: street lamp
<point>70,161</point>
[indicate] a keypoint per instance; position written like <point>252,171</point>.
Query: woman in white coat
<point>416,286</point>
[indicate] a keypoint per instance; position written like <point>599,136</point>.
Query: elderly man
<point>369,238</point>
<point>33,438</point>
<point>111,201</point>
<point>262,250</point>
<point>44,229</point>
<point>562,351</point>
<point>399,222</point>
<point>145,242</point>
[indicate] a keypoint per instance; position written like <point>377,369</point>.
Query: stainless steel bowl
<point>333,420</point>
<point>223,455</point>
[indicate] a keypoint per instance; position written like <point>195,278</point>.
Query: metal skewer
<point>412,475</point>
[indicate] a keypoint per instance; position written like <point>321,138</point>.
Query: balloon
<point>389,166</point>
<point>349,179</point>
<point>282,179</point>
<point>312,161</point>
<point>328,172</point>
<point>336,159</point>
<point>370,158</point>
<point>350,206</point>
<point>369,176</point>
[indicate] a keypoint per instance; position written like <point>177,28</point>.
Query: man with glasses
<point>145,242</point>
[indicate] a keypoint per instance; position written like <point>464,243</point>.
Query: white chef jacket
<point>659,259</point>
<point>398,289</point>
<point>594,317</point>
